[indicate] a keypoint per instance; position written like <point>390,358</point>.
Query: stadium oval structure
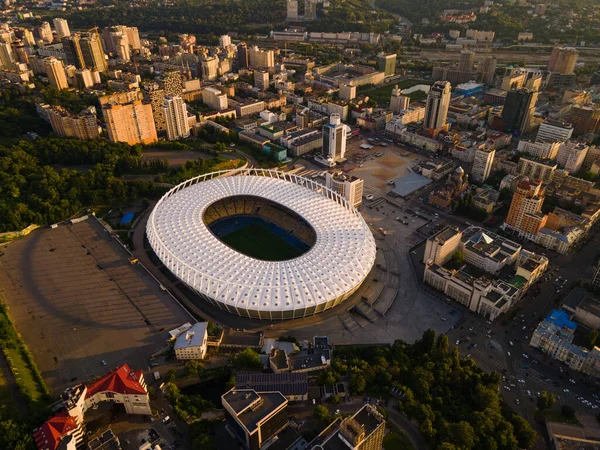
<point>324,276</point>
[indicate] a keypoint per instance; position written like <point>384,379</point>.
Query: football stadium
<point>262,244</point>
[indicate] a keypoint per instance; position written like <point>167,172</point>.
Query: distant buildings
<point>261,59</point>
<point>563,60</point>
<point>55,71</point>
<point>62,27</point>
<point>436,109</point>
<point>387,64</point>
<point>192,343</point>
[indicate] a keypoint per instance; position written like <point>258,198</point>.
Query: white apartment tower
<point>554,131</point>
<point>261,79</point>
<point>334,138</point>
<point>349,187</point>
<point>209,67</point>
<point>175,111</point>
<point>62,28</point>
<point>482,164</point>
<point>55,71</point>
<point>6,56</point>
<point>398,102</point>
<point>225,41</point>
<point>436,108</point>
<point>571,156</point>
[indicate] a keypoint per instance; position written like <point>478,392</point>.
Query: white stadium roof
<point>343,254</point>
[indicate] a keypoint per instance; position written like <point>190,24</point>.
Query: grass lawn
<point>258,242</point>
<point>396,441</point>
<point>6,399</point>
<point>382,94</point>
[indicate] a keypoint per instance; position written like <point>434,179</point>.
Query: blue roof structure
<point>409,183</point>
<point>561,319</point>
<point>127,218</point>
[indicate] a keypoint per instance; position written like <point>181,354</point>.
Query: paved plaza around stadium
<point>77,301</point>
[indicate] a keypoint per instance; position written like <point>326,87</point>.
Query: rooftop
<point>121,380</point>
<point>252,407</point>
<point>193,337</point>
<point>287,383</point>
<point>49,435</point>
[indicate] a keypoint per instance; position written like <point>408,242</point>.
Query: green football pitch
<point>258,242</point>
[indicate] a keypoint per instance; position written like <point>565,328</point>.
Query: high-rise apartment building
<point>261,59</point>
<point>133,36</point>
<point>436,107</point>
<point>6,56</point>
<point>563,60</point>
<point>518,110</point>
<point>92,52</point>
<point>225,41</point>
<point>121,44</point>
<point>554,131</point>
<point>387,64</point>
<point>466,61</point>
<point>84,78</point>
<point>571,156</point>
<point>585,119</point>
<point>261,79</point>
<point>525,212</point>
<point>62,28</point>
<point>214,98</point>
<point>55,71</point>
<point>536,169</point>
<point>487,69</point>
<point>398,102</point>
<point>73,54</point>
<point>176,117</point>
<point>45,32</point>
<point>482,164</point>
<point>209,66</point>
<point>349,187</point>
<point>542,150</point>
<point>132,123</point>
<point>81,126</point>
<point>334,138</point>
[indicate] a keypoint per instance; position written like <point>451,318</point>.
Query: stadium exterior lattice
<point>340,254</point>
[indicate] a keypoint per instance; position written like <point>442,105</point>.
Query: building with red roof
<point>65,430</point>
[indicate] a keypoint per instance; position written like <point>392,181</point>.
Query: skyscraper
<point>72,47</point>
<point>261,79</point>
<point>466,61</point>
<point>482,164</point>
<point>242,55</point>
<point>45,32</point>
<point>563,60</point>
<point>6,56</point>
<point>525,212</point>
<point>175,111</point>
<point>518,110</point>
<point>209,66</point>
<point>131,123</point>
<point>261,59</point>
<point>55,72</point>
<point>436,108</point>
<point>121,43</point>
<point>334,138</point>
<point>62,28</point>
<point>387,64</point>
<point>487,69</point>
<point>225,41</point>
<point>92,52</point>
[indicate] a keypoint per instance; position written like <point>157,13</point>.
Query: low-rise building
<point>486,199</point>
<point>293,386</point>
<point>191,344</point>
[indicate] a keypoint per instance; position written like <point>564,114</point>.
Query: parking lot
<point>80,305</point>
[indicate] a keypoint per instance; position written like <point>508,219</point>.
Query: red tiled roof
<point>49,435</point>
<point>122,380</point>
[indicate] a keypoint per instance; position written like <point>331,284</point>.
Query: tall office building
<point>261,79</point>
<point>55,71</point>
<point>334,138</point>
<point>436,107</point>
<point>487,69</point>
<point>242,55</point>
<point>563,60</point>
<point>132,123</point>
<point>175,111</point>
<point>585,118</point>
<point>92,52</point>
<point>398,102</point>
<point>72,48</point>
<point>6,56</point>
<point>518,110</point>
<point>20,51</point>
<point>466,61</point>
<point>349,187</point>
<point>209,66</point>
<point>62,28</point>
<point>45,32</point>
<point>482,164</point>
<point>121,43</point>
<point>387,64</point>
<point>525,212</point>
<point>133,36</point>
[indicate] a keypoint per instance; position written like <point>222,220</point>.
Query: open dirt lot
<point>77,300</point>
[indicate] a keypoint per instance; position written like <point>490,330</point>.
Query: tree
<point>462,435</point>
<point>321,413</point>
<point>334,399</point>
<point>193,368</point>
<point>170,376</point>
<point>14,435</point>
<point>591,339</point>
<point>458,257</point>
<point>247,359</point>
<point>546,400</point>
<point>358,384</point>
<point>523,432</point>
<point>567,411</point>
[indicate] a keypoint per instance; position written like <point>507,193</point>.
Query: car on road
<point>571,380</point>
<point>511,343</point>
<point>508,353</point>
<point>443,319</point>
<point>457,341</point>
<point>566,390</point>
<point>370,197</point>
<point>525,355</point>
<point>103,362</point>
